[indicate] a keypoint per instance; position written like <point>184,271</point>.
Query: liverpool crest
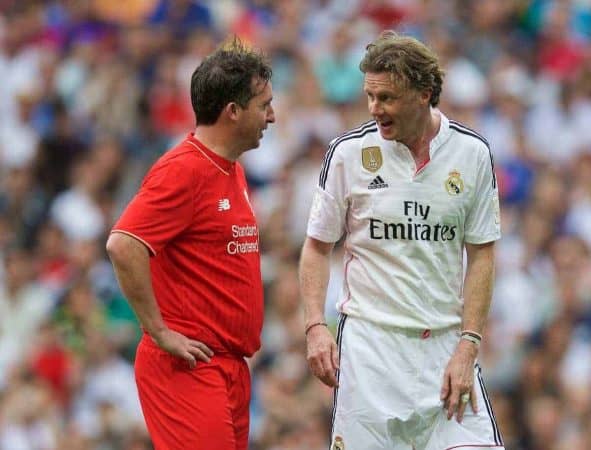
<point>371,158</point>
<point>454,185</point>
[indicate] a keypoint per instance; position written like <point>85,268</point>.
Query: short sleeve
<point>328,211</point>
<point>162,208</point>
<point>483,223</point>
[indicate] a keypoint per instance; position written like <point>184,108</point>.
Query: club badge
<point>454,185</point>
<point>338,443</point>
<point>371,158</point>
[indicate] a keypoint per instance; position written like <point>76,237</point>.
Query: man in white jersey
<point>409,191</point>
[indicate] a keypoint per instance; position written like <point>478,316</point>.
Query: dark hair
<point>226,76</point>
<point>408,59</point>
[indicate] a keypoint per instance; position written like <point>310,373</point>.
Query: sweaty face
<point>257,115</point>
<point>396,109</point>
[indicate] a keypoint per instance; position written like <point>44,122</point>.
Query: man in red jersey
<point>186,255</point>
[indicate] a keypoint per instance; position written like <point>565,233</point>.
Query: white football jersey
<point>405,228</point>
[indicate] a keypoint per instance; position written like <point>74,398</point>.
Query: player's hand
<point>322,356</point>
<point>179,345</point>
<point>458,380</point>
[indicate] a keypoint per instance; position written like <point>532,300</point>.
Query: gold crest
<point>371,158</point>
<point>454,185</point>
<point>338,443</point>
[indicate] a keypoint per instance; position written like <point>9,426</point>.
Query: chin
<point>388,136</point>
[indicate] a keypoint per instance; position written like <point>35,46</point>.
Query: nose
<point>271,115</point>
<point>374,108</point>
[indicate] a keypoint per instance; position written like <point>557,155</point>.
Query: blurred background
<point>93,91</point>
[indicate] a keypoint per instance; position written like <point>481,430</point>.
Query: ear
<point>232,110</point>
<point>425,96</point>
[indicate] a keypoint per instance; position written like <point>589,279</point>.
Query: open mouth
<point>385,124</point>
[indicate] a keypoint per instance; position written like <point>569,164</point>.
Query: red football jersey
<point>193,214</point>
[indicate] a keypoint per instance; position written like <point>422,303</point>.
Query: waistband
<point>424,333</point>
<point>147,341</point>
<point>416,333</point>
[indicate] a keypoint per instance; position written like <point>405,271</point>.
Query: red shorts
<point>202,408</point>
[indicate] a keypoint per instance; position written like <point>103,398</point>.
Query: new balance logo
<point>377,183</point>
<point>224,204</point>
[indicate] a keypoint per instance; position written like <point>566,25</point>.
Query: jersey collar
<point>221,163</point>
<point>441,136</point>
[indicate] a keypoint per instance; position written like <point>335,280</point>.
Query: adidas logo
<point>377,183</point>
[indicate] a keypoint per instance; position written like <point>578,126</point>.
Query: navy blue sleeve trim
<point>469,132</point>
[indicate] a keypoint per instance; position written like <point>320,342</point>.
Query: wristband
<point>468,337</point>
<point>474,334</point>
<point>312,325</point>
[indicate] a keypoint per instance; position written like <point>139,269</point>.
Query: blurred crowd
<point>93,91</point>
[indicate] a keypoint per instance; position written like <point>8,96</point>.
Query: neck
<point>218,141</point>
<point>426,131</point>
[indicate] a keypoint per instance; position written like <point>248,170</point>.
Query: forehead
<point>262,88</point>
<point>381,81</point>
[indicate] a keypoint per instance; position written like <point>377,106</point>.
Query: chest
<point>224,211</point>
<point>439,192</point>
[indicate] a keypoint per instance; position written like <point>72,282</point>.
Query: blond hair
<point>408,60</point>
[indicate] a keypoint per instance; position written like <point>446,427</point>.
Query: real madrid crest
<point>371,158</point>
<point>338,443</point>
<point>454,185</point>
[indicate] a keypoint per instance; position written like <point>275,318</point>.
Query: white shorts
<point>389,393</point>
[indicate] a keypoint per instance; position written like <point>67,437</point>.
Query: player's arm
<point>314,273</point>
<point>478,286</point>
<point>131,263</point>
